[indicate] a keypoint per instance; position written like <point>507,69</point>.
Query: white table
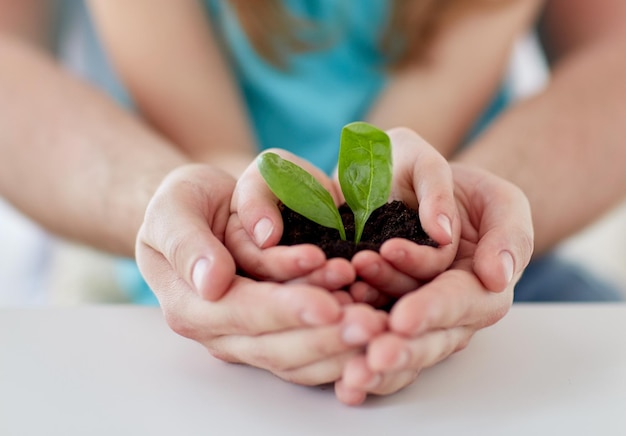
<point>543,370</point>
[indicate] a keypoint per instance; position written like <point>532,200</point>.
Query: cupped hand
<point>421,179</point>
<point>429,324</point>
<point>299,332</point>
<point>255,228</point>
<point>421,176</point>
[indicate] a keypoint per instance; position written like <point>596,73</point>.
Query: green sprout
<point>364,169</point>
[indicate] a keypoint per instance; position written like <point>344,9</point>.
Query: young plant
<point>364,170</point>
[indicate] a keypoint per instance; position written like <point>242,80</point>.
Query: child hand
<point>422,179</point>
<point>255,228</point>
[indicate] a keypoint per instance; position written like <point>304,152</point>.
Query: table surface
<point>106,370</point>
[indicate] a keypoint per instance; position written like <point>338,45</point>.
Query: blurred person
<point>290,74</point>
<point>196,84</point>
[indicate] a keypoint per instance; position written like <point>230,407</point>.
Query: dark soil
<point>392,220</point>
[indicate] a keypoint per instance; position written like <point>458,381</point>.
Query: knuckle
<point>497,312</point>
<point>526,248</point>
<point>181,325</point>
<point>172,249</point>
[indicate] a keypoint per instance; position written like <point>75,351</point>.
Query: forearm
<point>440,96</point>
<point>28,19</point>
<point>168,59</point>
<point>566,147</point>
<point>71,159</point>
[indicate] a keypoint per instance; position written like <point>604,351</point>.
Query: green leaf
<point>300,191</point>
<point>365,171</point>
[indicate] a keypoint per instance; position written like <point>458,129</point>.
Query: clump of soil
<point>392,220</point>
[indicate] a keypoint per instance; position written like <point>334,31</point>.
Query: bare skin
<point>571,133</point>
<point>89,182</point>
<point>184,52</point>
<point>93,184</point>
<point>468,283</point>
<point>538,132</point>
<point>261,323</point>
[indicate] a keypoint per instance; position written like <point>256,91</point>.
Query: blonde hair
<point>412,26</point>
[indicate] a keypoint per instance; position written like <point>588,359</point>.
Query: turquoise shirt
<point>301,108</point>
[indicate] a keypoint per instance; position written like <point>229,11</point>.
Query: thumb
<point>184,224</point>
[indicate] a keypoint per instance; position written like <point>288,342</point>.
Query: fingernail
<point>354,334</point>
<point>445,224</point>
<point>199,273</point>
<point>508,264</point>
<point>262,231</point>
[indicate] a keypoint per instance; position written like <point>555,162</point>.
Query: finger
<point>349,396</point>
<point>289,350</point>
<point>357,374</point>
<point>334,274</point>
<point>362,292</point>
<point>355,380</point>
<point>390,353</point>
<point>390,383</point>
<point>505,242</point>
<point>185,222</point>
<point>260,216</point>
<point>419,168</point>
<point>394,362</point>
<point>501,257</point>
<point>320,372</point>
<point>401,266</point>
<point>343,297</point>
<point>358,380</point>
<point>249,308</point>
<point>277,263</point>
<point>262,219</point>
<point>455,298</point>
<point>373,269</point>
<point>421,262</point>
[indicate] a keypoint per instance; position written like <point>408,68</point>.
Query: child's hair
<point>274,32</point>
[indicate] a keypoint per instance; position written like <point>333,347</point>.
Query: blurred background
<point>38,269</point>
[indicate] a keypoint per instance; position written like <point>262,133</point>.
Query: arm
<point>73,160</point>
<point>440,97</point>
<point>565,147</point>
<point>172,66</point>
<point>27,19</point>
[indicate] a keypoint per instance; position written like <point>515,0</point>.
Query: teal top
<point>301,108</point>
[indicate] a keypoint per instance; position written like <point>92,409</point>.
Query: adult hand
<point>298,332</point>
<point>427,325</point>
